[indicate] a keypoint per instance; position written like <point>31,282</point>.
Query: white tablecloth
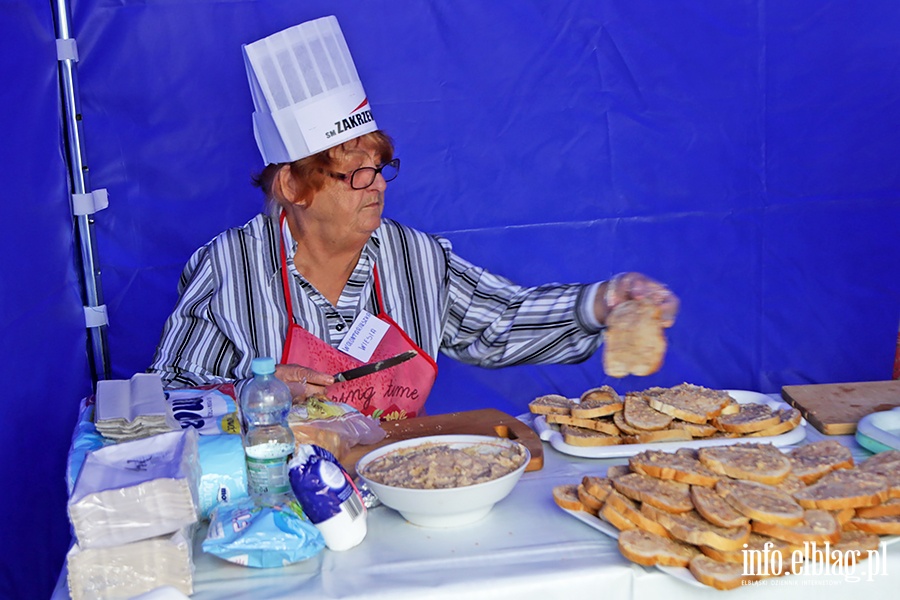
<point>527,547</point>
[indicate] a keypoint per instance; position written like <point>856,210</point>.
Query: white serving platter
<point>551,434</point>
<point>680,573</point>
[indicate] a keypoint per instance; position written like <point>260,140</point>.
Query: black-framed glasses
<point>363,177</point>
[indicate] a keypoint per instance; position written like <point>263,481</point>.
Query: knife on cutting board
<point>374,367</point>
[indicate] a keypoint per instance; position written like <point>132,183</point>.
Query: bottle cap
<point>263,366</point>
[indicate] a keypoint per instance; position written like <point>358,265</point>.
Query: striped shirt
<point>231,306</point>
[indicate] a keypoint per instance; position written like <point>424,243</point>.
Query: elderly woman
<point>323,283</point>
<point>291,283</point>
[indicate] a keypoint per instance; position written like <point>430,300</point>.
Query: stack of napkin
<point>129,409</point>
<point>136,501</point>
<point>131,569</point>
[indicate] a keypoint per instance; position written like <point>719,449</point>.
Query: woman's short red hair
<point>310,172</point>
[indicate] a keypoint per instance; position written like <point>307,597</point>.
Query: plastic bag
<point>261,536</point>
<point>333,426</point>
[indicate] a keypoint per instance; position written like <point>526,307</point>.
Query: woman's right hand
<point>303,381</point>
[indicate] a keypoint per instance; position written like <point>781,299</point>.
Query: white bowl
<point>445,507</point>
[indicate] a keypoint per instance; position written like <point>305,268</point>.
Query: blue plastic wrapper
<point>319,482</point>
<point>261,536</point>
<point>84,439</point>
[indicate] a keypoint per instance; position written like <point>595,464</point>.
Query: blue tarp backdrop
<point>743,152</point>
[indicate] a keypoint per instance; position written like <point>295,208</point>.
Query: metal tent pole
<point>84,202</point>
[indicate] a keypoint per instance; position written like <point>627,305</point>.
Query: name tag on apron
<point>365,334</point>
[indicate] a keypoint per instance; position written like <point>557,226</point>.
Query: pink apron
<point>395,393</point>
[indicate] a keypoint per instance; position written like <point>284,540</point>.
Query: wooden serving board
<point>485,421</point>
<point>836,408</point>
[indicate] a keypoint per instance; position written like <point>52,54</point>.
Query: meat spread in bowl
<point>444,465</point>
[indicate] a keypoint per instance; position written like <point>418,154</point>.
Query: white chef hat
<point>306,92</point>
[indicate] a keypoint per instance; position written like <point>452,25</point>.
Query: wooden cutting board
<point>835,408</point>
<point>485,421</point>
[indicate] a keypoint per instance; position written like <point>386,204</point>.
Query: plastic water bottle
<point>268,441</point>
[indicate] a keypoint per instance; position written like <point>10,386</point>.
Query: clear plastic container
<point>268,441</point>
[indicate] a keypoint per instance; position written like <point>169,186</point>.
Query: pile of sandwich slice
<point>705,509</point>
<point>600,417</point>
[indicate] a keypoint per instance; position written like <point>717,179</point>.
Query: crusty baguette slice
<point>812,461</point>
<point>622,424</point>
<point>697,430</point>
<point>719,575</point>
<point>579,436</point>
<point>878,525</point>
<point>666,494</point>
<point>668,465</point>
<point>779,552</point>
<point>551,404</point>
<point>663,435</point>
<point>761,502</point>
<point>688,402</point>
<point>790,484</point>
<point>591,503</point>
<point>818,526</point>
<point>844,488</point>
<point>597,402</point>
<point>634,343</point>
<point>690,527</point>
<point>650,549</point>
<point>877,462</point>
<point>606,427</point>
<point>755,462</point>
<point>598,487</point>
<point>638,413</point>
<point>566,496</point>
<point>844,515</point>
<point>629,509</point>
<point>789,419</point>
<point>889,508</point>
<point>853,547</point>
<point>614,471</point>
<point>614,517</point>
<point>715,509</point>
<point>886,464</point>
<point>749,417</point>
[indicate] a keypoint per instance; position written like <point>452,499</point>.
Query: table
<point>526,548</point>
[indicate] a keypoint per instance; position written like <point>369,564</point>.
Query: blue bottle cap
<point>263,366</point>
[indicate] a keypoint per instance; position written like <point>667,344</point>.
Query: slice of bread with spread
<point>778,552</point>
<point>690,527</point>
<point>719,575</point>
<point>566,496</point>
<point>812,461</point>
<point>551,404</point>
<point>634,343</point>
<point>715,509</point>
<point>591,503</point>
<point>665,494</point>
<point>817,526</point>
<point>760,502</point>
<point>650,549</point>
<point>755,462</point>
<point>579,436</point>
<point>749,417</point>
<point>640,415</point>
<point>597,402</point>
<point>629,509</point>
<point>844,489</point>
<point>607,427</point>
<point>788,420</point>
<point>668,465</point>
<point>691,403</point>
